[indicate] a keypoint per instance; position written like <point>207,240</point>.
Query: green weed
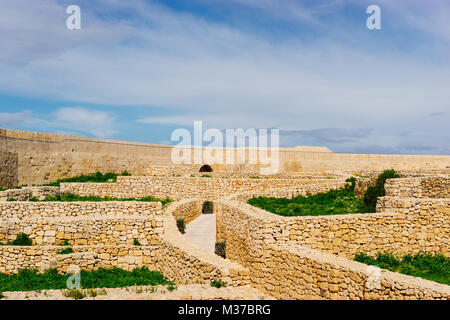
<point>424,265</point>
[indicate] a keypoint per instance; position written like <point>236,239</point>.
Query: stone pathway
<point>202,232</point>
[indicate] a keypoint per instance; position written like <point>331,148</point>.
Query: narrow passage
<point>202,231</point>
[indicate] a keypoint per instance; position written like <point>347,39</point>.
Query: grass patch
<point>341,201</point>
<point>30,280</point>
<point>95,177</point>
<point>65,251</point>
<point>218,283</point>
<point>424,265</point>
<point>136,242</point>
<point>374,192</point>
<point>22,239</point>
<point>70,197</point>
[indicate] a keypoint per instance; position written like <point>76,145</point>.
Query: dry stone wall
<point>311,257</point>
<point>85,231</point>
<point>128,257</point>
<point>287,268</point>
<point>315,186</point>
<point>29,209</point>
<point>297,272</point>
<point>26,193</point>
<point>188,210</point>
<point>420,229</point>
<point>421,187</point>
<point>181,188</point>
<point>103,240</point>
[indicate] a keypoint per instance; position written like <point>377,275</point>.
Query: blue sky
<point>137,70</point>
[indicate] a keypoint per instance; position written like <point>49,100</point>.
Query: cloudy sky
<point>139,69</point>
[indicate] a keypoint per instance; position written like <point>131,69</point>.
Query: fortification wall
<point>43,158</point>
<point>8,169</point>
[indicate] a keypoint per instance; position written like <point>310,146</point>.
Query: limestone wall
<point>8,169</point>
<point>128,257</point>
<point>188,210</point>
<point>296,272</point>
<point>420,229</point>
<point>298,257</point>
<point>41,210</point>
<point>361,185</point>
<point>183,187</point>
<point>312,187</point>
<point>102,233</point>
<point>43,158</point>
<point>26,193</point>
<point>182,262</point>
<point>85,231</point>
<point>422,187</point>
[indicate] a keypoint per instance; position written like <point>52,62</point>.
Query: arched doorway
<point>206,168</point>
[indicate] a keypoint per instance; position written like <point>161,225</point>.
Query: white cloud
<point>8,119</point>
<point>97,123</point>
<point>68,120</point>
<point>219,74</point>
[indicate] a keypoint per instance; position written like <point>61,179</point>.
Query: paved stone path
<point>202,231</point>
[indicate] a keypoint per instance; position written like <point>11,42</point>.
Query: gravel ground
<point>182,292</point>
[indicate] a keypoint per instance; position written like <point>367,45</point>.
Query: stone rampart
<point>8,169</point>
<point>43,158</point>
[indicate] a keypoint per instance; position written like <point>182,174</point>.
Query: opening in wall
<point>206,168</point>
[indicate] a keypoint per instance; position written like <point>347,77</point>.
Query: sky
<point>139,69</point>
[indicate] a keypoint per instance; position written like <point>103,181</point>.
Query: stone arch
<point>206,168</point>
